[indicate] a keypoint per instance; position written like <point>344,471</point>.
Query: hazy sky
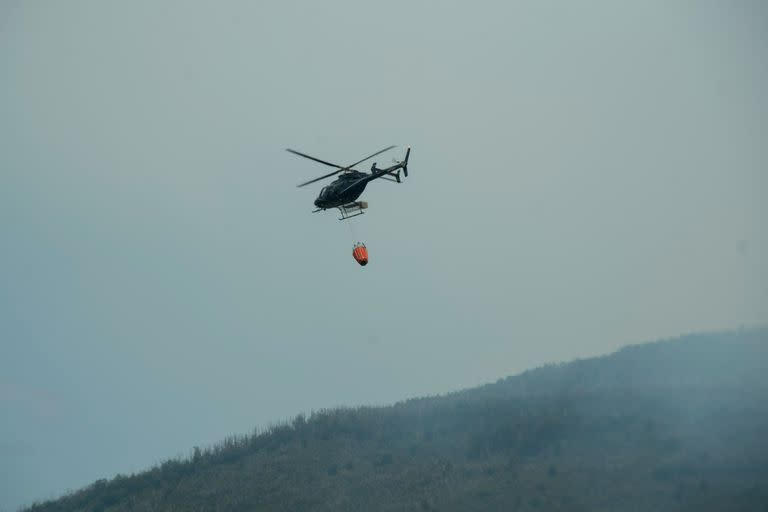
<point>584,175</point>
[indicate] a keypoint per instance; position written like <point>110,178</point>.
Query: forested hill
<point>674,425</point>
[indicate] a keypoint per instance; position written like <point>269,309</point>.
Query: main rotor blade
<point>366,158</point>
<point>320,178</point>
<point>313,158</point>
<point>340,168</point>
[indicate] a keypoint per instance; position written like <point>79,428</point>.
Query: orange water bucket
<point>360,253</point>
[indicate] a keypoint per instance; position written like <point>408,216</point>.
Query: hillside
<point>672,425</point>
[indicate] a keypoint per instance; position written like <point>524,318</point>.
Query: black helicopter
<point>343,192</point>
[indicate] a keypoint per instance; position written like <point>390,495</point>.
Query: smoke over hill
<point>673,425</point>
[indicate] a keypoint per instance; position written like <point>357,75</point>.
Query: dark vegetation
<point>674,425</point>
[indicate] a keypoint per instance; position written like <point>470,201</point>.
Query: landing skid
<point>352,209</point>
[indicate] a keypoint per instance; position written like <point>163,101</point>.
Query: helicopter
<point>343,192</point>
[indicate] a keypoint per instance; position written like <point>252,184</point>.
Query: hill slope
<point>674,425</point>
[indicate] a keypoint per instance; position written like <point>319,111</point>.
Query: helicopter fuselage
<point>343,190</point>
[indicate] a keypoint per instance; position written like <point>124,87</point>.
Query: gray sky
<point>583,176</point>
